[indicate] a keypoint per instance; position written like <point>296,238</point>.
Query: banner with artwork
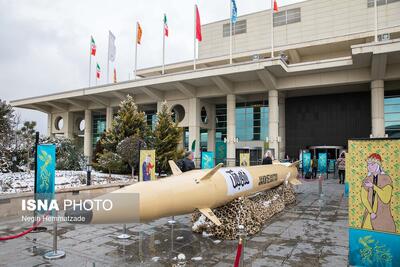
<point>46,169</point>
<point>322,162</point>
<point>331,165</point>
<point>220,152</point>
<point>306,160</point>
<point>147,165</point>
<point>46,173</point>
<point>244,159</point>
<point>373,174</point>
<point>207,160</point>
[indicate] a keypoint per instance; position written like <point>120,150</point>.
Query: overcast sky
<point>44,45</point>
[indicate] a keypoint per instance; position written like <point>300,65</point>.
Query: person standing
<point>187,163</point>
<point>314,166</point>
<point>341,166</point>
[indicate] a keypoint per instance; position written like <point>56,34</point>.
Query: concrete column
<point>377,108</point>
<point>282,134</point>
<point>273,121</point>
<point>109,117</point>
<point>194,127</point>
<point>49,125</point>
<point>68,125</point>
<point>88,135</point>
<point>231,130</point>
<point>211,140</point>
<point>181,143</point>
<point>159,103</point>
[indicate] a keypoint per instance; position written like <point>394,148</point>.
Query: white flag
<point>112,50</point>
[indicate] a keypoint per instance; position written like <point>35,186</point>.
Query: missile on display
<point>184,193</point>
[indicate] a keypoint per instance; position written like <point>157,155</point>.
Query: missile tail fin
<point>295,182</point>
<point>210,173</point>
<point>295,164</point>
<point>210,215</point>
<point>174,168</point>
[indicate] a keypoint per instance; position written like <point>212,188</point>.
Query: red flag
<point>198,26</point>
<point>238,254</point>
<point>275,6</point>
<point>115,75</point>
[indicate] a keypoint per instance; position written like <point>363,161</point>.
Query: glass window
<point>251,121</point>
<point>220,122</point>
<point>293,15</point>
<point>203,139</point>
<point>99,126</point>
<point>237,28</point>
<point>151,118</point>
<point>370,3</point>
<point>287,17</point>
<point>392,116</point>
<point>186,140</point>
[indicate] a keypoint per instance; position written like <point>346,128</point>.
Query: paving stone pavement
<point>312,232</point>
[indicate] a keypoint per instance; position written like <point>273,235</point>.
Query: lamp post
<point>88,174</point>
<point>14,162</point>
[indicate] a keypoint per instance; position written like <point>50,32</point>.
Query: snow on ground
<point>24,182</point>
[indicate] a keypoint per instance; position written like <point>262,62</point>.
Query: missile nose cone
<point>78,215</point>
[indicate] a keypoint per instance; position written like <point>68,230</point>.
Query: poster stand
<point>55,253</point>
<point>37,229</point>
<point>124,234</point>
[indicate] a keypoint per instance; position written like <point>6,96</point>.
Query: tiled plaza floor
<point>313,232</point>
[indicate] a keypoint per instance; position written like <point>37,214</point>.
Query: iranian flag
<point>92,46</point>
<point>165,25</point>
<point>98,70</point>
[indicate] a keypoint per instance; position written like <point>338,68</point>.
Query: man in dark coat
<point>187,163</point>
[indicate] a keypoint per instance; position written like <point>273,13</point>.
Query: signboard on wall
<point>373,173</point>
<point>322,162</point>
<point>244,159</point>
<point>147,165</point>
<point>207,160</point>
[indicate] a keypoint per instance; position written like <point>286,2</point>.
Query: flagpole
<point>108,59</point>
<point>376,19</point>
<point>90,61</point>
<point>230,35</point>
<point>272,29</point>
<point>163,59</point>
<point>136,48</point>
<point>194,40</point>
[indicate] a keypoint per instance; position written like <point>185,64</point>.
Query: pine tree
<point>26,136</point>
<point>68,154</point>
<point>129,150</point>
<point>128,122</point>
<point>6,123</point>
<point>111,161</point>
<point>6,135</point>
<point>167,136</point>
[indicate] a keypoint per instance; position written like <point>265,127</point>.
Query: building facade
<point>332,77</point>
